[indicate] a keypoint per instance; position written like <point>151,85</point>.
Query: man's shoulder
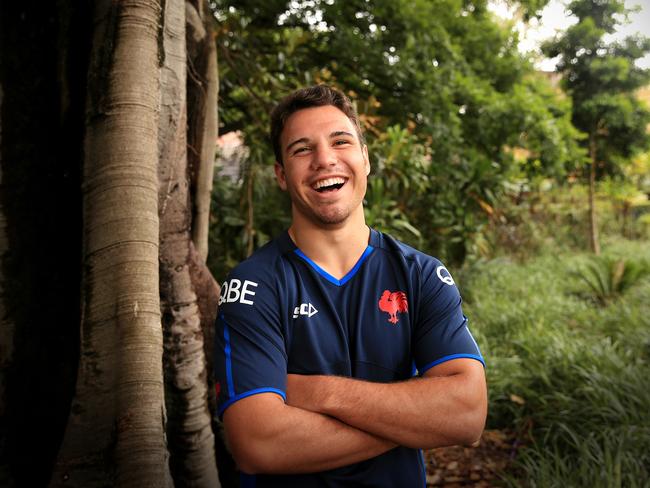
<point>257,279</point>
<point>410,255</point>
<point>264,262</point>
<point>424,268</point>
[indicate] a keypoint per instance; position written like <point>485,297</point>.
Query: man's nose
<point>324,155</point>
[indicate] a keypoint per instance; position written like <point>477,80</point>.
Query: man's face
<point>325,166</point>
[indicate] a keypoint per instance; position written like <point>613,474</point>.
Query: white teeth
<point>328,182</point>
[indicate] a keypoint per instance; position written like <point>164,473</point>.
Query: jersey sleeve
<point>441,332</point>
<point>249,351</point>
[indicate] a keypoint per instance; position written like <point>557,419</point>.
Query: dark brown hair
<point>313,96</point>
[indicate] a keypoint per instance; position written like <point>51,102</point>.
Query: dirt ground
<point>479,466</point>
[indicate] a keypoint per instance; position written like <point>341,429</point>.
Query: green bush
<point>608,278</point>
<point>570,379</point>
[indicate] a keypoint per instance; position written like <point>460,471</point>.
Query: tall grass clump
<point>569,377</point>
<point>607,278</point>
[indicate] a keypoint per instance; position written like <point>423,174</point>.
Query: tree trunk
<point>625,214</point>
<point>189,427</point>
<point>202,91</point>
<point>250,209</point>
<point>593,224</point>
<point>116,430</point>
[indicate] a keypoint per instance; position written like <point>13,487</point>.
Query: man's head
<point>322,161</point>
<point>313,96</point>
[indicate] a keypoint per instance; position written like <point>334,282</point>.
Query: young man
<point>340,352</point>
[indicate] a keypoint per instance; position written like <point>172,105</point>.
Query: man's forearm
<point>422,412</point>
<point>268,436</point>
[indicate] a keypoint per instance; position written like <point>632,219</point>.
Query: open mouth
<point>328,185</point>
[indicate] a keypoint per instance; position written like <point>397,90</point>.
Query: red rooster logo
<point>393,302</point>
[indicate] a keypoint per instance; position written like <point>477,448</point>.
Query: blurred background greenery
<point>532,185</point>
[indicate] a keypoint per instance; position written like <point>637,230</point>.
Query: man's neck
<point>335,249</point>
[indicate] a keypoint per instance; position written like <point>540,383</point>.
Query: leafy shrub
<point>608,278</point>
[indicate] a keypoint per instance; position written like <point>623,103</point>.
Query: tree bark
<point>202,92</point>
<point>250,209</point>
<point>593,224</point>
<point>116,430</point>
<point>189,428</point>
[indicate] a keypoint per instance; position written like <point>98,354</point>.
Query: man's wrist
<point>321,396</point>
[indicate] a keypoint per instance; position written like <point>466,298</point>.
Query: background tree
<point>601,78</point>
<point>181,202</point>
<point>120,383</point>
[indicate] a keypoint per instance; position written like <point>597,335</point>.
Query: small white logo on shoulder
<point>306,309</point>
<point>444,275</point>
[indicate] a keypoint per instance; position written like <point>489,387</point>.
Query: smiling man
<point>340,352</point>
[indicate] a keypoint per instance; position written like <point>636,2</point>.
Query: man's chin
<point>333,220</point>
<point>327,217</point>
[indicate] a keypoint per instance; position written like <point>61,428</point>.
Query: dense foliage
<point>443,93</point>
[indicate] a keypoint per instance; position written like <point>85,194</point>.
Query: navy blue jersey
<point>395,314</point>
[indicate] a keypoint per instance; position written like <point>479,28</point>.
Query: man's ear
<point>366,159</point>
<point>280,176</point>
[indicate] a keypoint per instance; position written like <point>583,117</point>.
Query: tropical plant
<point>608,278</point>
<point>398,179</point>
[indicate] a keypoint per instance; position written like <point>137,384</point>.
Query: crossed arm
<point>330,421</point>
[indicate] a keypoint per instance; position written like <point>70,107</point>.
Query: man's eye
<point>301,149</point>
<point>341,142</point>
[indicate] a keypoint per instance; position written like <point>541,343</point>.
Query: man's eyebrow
<point>297,141</point>
<point>341,133</point>
<point>303,140</point>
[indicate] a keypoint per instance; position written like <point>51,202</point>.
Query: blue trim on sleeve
<point>472,337</point>
<point>328,276</point>
<point>228,352</point>
<point>424,469</point>
<point>449,358</point>
<point>250,393</point>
